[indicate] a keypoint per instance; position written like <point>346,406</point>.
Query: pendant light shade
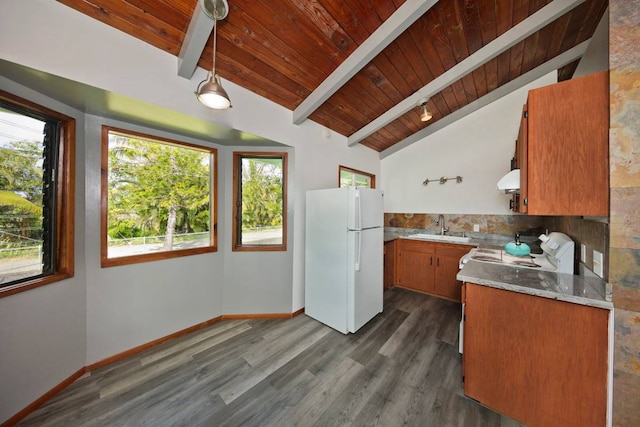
<point>425,115</point>
<point>210,92</point>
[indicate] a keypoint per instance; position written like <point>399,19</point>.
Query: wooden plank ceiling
<point>284,49</point>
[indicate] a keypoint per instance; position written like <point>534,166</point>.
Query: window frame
<point>64,232</point>
<point>105,261</point>
<point>237,171</point>
<point>371,176</point>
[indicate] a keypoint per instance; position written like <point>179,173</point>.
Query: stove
<point>557,255</point>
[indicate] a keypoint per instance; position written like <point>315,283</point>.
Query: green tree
<point>20,170</point>
<point>261,192</point>
<point>21,191</point>
<point>151,184</point>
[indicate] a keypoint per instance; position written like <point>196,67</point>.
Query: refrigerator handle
<point>359,208</point>
<point>358,250</point>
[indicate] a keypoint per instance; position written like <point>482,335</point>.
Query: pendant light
<point>210,92</point>
<point>425,114</point>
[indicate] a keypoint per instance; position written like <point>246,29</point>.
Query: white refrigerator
<point>344,256</point>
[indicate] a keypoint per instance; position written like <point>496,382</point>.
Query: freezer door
<point>365,208</point>
<point>364,284</point>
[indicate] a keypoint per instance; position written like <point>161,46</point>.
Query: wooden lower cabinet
<point>537,360</point>
<point>416,265</point>
<point>429,267</point>
<point>389,264</point>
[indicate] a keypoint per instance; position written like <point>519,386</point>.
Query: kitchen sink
<point>439,238</point>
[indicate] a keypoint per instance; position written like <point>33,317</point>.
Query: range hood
<point>510,183</point>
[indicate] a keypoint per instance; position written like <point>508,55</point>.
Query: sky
<point>16,127</point>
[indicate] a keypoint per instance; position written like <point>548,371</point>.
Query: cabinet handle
<point>438,262</point>
<point>430,260</point>
<point>511,204</point>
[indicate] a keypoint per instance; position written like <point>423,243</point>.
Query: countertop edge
<point>603,304</point>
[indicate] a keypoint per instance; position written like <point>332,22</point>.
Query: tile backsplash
<point>457,223</point>
<point>593,233</point>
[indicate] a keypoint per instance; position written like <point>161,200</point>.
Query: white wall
<point>478,147</point>
<point>596,57</point>
<point>43,331</point>
<point>254,281</point>
<point>110,310</point>
<point>133,304</point>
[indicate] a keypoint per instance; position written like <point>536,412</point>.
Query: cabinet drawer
<point>452,250</point>
<point>417,246</point>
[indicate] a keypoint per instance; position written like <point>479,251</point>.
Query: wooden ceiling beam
<point>195,40</point>
<point>535,22</point>
<point>402,19</point>
<point>549,66</point>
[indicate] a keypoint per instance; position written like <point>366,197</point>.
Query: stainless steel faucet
<point>440,222</point>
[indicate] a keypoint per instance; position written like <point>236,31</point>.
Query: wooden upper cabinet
<point>564,148</point>
<point>522,160</point>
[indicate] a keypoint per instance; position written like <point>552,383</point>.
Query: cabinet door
<point>389,263</point>
<point>539,361</point>
<point>446,284</point>
<point>447,267</point>
<point>521,200</point>
<point>416,263</point>
<point>568,160</point>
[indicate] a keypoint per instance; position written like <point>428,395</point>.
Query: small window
<point>36,195</point>
<point>348,177</point>
<point>260,200</point>
<point>158,198</point>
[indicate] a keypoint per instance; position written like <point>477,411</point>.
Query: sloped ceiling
<point>360,67</point>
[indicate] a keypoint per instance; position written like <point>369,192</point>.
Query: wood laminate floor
<point>401,369</point>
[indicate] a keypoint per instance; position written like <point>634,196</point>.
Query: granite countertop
<point>476,239</point>
<point>584,290</point>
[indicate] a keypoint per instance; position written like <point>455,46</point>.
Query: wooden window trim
<point>65,209</point>
<point>105,261</point>
<point>359,172</point>
<point>234,229</point>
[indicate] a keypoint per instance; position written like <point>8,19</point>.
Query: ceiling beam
<point>553,64</point>
<point>390,29</point>
<point>535,22</point>
<point>194,42</point>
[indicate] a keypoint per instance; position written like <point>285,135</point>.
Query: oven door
<point>461,336</point>
<point>465,258</point>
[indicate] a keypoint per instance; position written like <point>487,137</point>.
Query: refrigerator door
<point>326,253</point>
<point>364,276</point>
<point>365,208</point>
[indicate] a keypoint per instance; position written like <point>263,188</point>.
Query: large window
<point>158,198</point>
<point>36,195</point>
<point>260,200</point>
<point>348,177</point>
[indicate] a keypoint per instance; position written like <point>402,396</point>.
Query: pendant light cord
<point>215,33</point>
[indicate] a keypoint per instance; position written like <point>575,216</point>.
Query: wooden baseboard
<point>262,315</point>
<point>429,293</point>
<point>112,359</point>
<point>48,395</point>
<point>138,349</point>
